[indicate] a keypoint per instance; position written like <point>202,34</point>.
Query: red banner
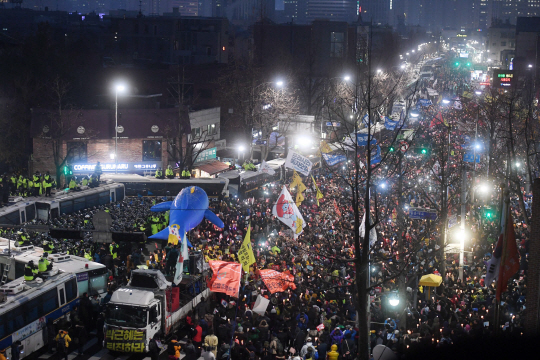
<point>226,278</point>
<point>276,281</point>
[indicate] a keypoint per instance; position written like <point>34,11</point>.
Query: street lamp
<point>379,71</point>
<point>478,92</point>
<point>446,101</point>
<point>393,300</point>
<point>279,83</point>
<point>119,88</point>
<point>347,78</point>
<point>240,151</point>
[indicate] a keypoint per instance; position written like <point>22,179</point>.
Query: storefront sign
<point>123,167</point>
<point>503,78</point>
<point>125,340</point>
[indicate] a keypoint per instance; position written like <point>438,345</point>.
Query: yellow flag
<point>301,187</point>
<point>296,180</point>
<point>325,148</point>
<point>245,254</point>
<point>299,198</point>
<point>319,193</point>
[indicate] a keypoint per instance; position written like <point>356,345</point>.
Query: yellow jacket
<point>333,355</point>
<point>63,334</point>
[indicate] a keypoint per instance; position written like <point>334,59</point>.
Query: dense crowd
<point>316,318</point>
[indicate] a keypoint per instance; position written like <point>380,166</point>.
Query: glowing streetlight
<point>379,71</point>
<point>446,101</point>
<point>530,66</point>
<point>347,78</point>
<point>241,150</point>
<point>393,300</point>
<point>279,83</point>
<point>478,92</point>
<point>119,88</point>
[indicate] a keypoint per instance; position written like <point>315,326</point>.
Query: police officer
<point>47,183</point>
<point>159,174</point>
<point>47,246</point>
<point>30,271</point>
<point>169,172</point>
<point>36,180</point>
<point>113,249</point>
<point>13,181</point>
<point>44,264</point>
<point>72,184</point>
<point>84,181</point>
<point>21,185</point>
<point>5,189</point>
<point>98,171</point>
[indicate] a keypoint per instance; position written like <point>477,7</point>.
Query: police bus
<point>137,185</point>
<point>27,306</point>
<point>91,276</point>
<point>18,212</point>
<point>45,208</point>
<point>73,201</point>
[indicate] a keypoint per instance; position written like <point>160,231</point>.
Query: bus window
<point>23,217</point>
<point>79,204</point>
<point>71,289</point>
<point>62,294</point>
<point>12,218</point>
<point>30,212</point>
<point>31,310</point>
<point>83,286</point>
<point>92,200</point>
<point>104,198</point>
<point>54,213</point>
<point>49,301</point>
<point>98,284</point>
<point>42,211</point>
<point>66,207</point>
<point>119,194</point>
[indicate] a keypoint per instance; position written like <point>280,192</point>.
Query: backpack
<point>277,346</point>
<point>170,349</point>
<point>62,342</point>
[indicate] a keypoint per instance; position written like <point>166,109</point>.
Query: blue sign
<point>375,157</point>
<point>468,157</point>
<point>361,140</point>
<point>390,124</point>
<point>333,124</point>
<point>424,102</point>
<point>421,213</point>
<point>365,119</point>
<point>332,160</point>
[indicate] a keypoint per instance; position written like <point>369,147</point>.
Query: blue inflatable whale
<point>187,211</point>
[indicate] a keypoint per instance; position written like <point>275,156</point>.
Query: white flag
<point>184,255</point>
<point>372,232</point>
<point>265,168</point>
<point>260,305</point>
<point>286,211</point>
<point>457,104</point>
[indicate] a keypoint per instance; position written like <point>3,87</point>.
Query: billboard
<point>503,79</point>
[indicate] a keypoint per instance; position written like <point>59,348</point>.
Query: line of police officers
<point>35,185</point>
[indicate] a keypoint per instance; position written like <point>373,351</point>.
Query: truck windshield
<point>129,316</point>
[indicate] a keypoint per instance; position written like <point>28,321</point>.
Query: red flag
<point>338,213</point>
<point>226,277</point>
<point>438,119</point>
<point>276,281</point>
<point>509,258</point>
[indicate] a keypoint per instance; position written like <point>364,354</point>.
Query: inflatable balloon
<point>187,211</point>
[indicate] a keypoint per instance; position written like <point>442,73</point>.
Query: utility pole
<point>401,263</point>
<point>463,210</point>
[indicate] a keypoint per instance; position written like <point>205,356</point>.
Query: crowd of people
<point>316,318</point>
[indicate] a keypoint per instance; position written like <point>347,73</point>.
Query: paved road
<point>92,351</point>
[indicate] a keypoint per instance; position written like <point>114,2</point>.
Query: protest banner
<point>299,163</point>
<point>226,277</point>
<point>276,281</point>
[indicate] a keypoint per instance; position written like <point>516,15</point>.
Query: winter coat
<point>333,354</point>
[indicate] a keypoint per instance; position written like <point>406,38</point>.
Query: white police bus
<point>91,276</point>
<point>45,208</point>
<point>26,306</point>
<point>73,201</point>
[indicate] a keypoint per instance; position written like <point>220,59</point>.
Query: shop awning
<point>430,280</point>
<point>211,167</point>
